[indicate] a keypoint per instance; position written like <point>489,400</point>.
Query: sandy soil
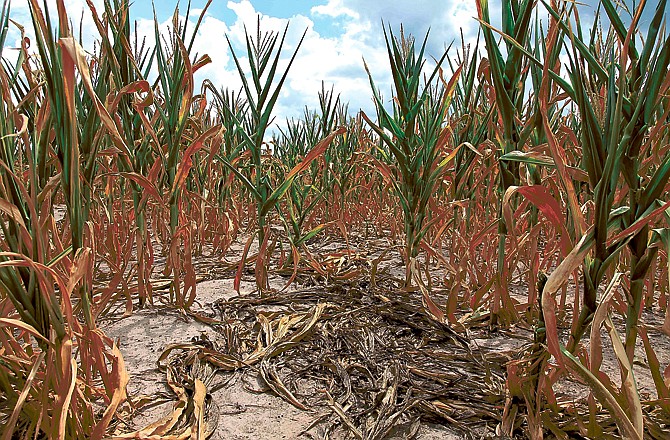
<point>247,410</point>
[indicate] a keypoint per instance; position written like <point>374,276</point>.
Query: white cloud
<point>444,19</point>
<point>335,8</point>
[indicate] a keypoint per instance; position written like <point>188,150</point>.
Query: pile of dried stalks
<point>373,365</point>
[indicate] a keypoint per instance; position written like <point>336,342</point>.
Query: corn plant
<point>261,95</point>
<point>225,193</point>
<point>415,138</point>
<point>304,194</point>
<point>344,165</point>
<point>180,139</point>
<point>619,98</point>
<point>334,112</point>
<point>614,150</point>
<point>175,77</point>
<point>121,74</point>
<point>508,76</point>
<point>55,57</point>
<point>470,110</point>
<point>311,188</point>
<point>231,110</point>
<point>469,114</point>
<point>51,359</point>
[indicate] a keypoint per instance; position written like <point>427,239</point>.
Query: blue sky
<point>340,33</point>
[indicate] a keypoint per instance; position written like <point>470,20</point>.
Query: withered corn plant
<point>508,74</point>
<point>312,187</point>
<point>415,135</point>
<point>180,139</point>
<point>619,92</point>
<point>614,131</point>
<point>337,157</point>
<point>468,183</point>
<point>120,75</point>
<point>59,51</point>
<point>231,109</point>
<point>55,364</point>
<point>344,162</point>
<point>470,110</point>
<point>263,55</point>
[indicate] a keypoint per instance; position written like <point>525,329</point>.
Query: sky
<point>340,34</point>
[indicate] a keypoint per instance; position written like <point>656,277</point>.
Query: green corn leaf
<point>604,395</point>
<point>317,151</point>
<point>529,157</point>
<point>309,235</point>
<point>246,182</point>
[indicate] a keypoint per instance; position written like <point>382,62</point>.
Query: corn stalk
<point>261,96</point>
<point>414,134</point>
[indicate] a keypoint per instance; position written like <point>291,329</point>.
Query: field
<point>484,257</point>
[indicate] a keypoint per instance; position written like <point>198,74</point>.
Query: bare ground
<point>245,407</point>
